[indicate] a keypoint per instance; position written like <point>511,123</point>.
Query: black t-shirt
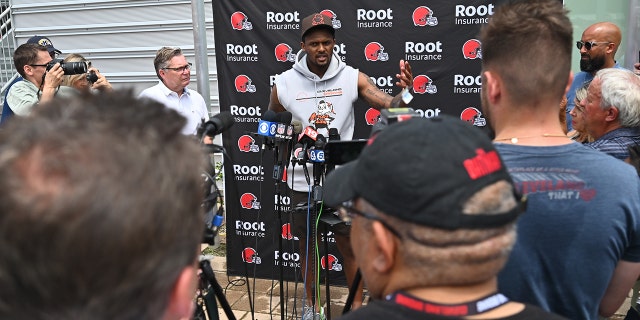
<point>386,310</point>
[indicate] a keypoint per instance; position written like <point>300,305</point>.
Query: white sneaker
<point>309,314</point>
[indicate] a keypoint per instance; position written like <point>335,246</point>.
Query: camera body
<point>92,77</point>
<point>69,68</point>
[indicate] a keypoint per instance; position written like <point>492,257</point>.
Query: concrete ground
<point>266,296</point>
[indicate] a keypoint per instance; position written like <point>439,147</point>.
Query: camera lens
<point>53,63</point>
<point>74,67</point>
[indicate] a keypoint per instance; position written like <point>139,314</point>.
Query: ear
<point>384,243</point>
<point>181,301</point>
<point>612,114</point>
<point>611,47</point>
<point>302,45</point>
<point>28,69</point>
<point>493,86</point>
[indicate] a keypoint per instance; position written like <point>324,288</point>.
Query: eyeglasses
<point>346,212</point>
<point>40,65</point>
<point>180,69</point>
<point>589,44</point>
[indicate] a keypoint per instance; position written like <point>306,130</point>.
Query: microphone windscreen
<point>270,116</point>
<point>285,117</point>
<point>333,134</point>
<point>226,120</point>
<point>297,126</point>
<point>321,141</point>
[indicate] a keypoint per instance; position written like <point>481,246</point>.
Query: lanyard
<point>481,305</point>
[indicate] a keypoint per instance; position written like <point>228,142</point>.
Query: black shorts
<point>299,217</point>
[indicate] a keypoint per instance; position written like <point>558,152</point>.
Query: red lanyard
<point>481,305</point>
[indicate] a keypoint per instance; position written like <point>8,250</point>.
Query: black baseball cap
<point>45,42</point>
<point>423,171</point>
<point>314,21</point>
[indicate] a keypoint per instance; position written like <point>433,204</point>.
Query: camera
<point>92,77</point>
<point>69,68</point>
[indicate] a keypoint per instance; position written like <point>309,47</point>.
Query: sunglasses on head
<point>589,44</point>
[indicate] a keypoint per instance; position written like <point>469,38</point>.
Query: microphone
<point>217,124</point>
<point>333,134</point>
<point>284,128</point>
<point>308,136</point>
<point>297,127</point>
<point>267,126</point>
<point>316,154</point>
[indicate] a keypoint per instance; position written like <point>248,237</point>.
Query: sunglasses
<point>346,212</point>
<point>589,44</point>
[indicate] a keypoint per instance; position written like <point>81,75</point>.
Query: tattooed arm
<point>377,99</point>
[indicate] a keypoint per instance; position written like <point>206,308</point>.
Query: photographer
<point>41,79</point>
<point>84,82</point>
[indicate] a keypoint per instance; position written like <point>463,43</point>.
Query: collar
<point>474,307</point>
<point>166,91</point>
<point>621,132</point>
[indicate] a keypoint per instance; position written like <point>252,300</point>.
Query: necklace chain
<point>515,140</point>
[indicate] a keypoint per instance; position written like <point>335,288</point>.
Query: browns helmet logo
<point>472,49</point>
<point>250,255</point>
<point>372,116</point>
<point>243,84</point>
<point>334,18</point>
<point>247,143</point>
<point>286,231</point>
<point>423,16</point>
<point>284,53</point>
<point>240,21</point>
<point>374,51</point>
<point>423,84</point>
<point>249,201</point>
<point>473,116</point>
<point>332,264</point>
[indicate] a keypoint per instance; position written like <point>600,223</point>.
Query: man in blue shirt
<point>598,47</point>
<point>611,111</point>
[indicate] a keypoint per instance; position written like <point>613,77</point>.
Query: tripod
<point>206,300</point>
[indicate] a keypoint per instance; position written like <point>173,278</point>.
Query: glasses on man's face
<point>588,45</point>
<point>346,212</point>
<point>40,65</point>
<point>180,69</point>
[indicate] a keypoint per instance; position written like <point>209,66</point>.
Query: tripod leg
<point>352,292</point>
<point>205,266</point>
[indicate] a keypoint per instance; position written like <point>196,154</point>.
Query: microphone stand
<point>277,176</point>
<point>318,169</point>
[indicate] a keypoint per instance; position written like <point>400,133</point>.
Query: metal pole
<point>200,46</point>
<point>633,34</point>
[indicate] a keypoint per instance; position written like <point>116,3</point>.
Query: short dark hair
<point>529,44</point>
<point>26,54</point>
<point>99,209</point>
<point>163,56</point>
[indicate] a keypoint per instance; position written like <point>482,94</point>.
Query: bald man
<point>598,47</point>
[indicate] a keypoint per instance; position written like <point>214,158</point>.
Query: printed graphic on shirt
<point>556,183</point>
<point>323,116</point>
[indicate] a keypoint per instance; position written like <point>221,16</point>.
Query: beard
<point>592,64</point>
